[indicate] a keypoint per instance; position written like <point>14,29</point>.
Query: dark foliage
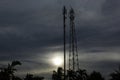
<point>8,72</point>
<point>115,75</point>
<point>58,75</point>
<point>16,78</point>
<point>31,77</point>
<point>95,76</point>
<point>81,74</point>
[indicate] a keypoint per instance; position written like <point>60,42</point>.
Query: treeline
<point>8,73</point>
<point>82,74</point>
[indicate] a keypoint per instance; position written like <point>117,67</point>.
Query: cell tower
<point>73,53</point>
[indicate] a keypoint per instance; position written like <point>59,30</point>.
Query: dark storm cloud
<point>103,31</point>
<point>111,7</point>
<point>26,27</point>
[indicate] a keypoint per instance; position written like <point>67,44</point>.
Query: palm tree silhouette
<point>8,72</point>
<point>11,68</point>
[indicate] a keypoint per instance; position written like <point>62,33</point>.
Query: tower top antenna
<point>64,10</point>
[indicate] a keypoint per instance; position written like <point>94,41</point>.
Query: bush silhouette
<point>115,75</point>
<point>95,76</point>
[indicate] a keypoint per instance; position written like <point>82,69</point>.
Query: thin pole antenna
<point>64,38</point>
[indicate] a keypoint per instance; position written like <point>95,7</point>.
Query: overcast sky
<point>31,31</point>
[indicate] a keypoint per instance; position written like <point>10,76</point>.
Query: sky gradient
<point>31,31</point>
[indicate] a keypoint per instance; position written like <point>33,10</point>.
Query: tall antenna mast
<point>64,38</point>
<point>73,54</point>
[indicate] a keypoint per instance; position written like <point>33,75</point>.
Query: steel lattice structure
<point>73,53</point>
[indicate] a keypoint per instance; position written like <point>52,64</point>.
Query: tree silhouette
<point>11,68</point>
<point>8,72</point>
<point>95,76</point>
<point>4,74</point>
<point>54,75</point>
<point>58,75</point>
<point>115,75</point>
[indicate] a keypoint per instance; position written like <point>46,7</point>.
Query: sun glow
<point>58,61</point>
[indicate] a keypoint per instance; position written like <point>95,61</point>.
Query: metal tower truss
<point>73,53</point>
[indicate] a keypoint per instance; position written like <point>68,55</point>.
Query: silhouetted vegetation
<point>58,75</point>
<point>95,76</point>
<point>115,75</point>
<point>31,77</point>
<point>8,73</point>
<point>82,74</point>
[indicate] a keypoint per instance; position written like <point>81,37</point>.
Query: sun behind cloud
<point>58,61</point>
